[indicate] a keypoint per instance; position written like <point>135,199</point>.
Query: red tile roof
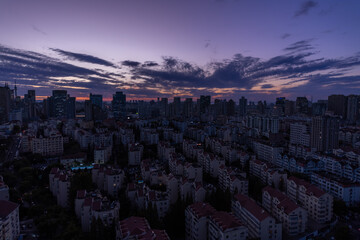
<point>251,206</point>
<point>201,209</point>
<point>6,208</point>
<point>226,220</point>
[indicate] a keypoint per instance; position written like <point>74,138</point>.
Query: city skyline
<point>226,49</point>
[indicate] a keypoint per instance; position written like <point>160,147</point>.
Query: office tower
<point>289,107</point>
<point>5,103</point>
<point>164,107</point>
<point>59,101</point>
<point>119,105</point>
<point>260,107</point>
<point>204,103</point>
<point>219,107</point>
<point>177,106</point>
<point>280,104</point>
<point>96,99</point>
<point>302,105</point>
<point>299,134</point>
<point>70,107</point>
<point>338,105</point>
<point>353,106</point>
<point>230,108</point>
<point>324,133</point>
<point>88,110</point>
<point>29,105</point>
<point>319,108</point>
<point>242,106</point>
<point>188,107</point>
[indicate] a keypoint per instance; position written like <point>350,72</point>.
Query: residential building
<point>260,224</point>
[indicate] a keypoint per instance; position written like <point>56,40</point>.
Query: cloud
<point>129,63</point>
<point>305,8</point>
<point>285,35</point>
<point>150,64</point>
<point>265,86</point>
<point>295,72</point>
<point>83,57</point>
<point>36,29</point>
<point>300,46</point>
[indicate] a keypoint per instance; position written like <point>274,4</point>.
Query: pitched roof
<point>225,220</point>
<point>251,206</point>
<point>7,207</point>
<point>201,209</point>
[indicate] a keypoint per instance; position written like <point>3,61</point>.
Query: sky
<point>259,49</point>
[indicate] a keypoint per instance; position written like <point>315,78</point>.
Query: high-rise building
<point>280,105</point>
<point>204,103</point>
<point>188,107</point>
<point>5,103</point>
<point>59,100</point>
<point>96,99</point>
<point>230,108</point>
<point>119,105</point>
<point>242,106</point>
<point>60,105</point>
<point>324,133</point>
<point>338,105</point>
<point>353,107</point>
<point>177,106</point>
<point>289,107</point>
<point>319,108</point>
<point>302,105</point>
<point>29,112</point>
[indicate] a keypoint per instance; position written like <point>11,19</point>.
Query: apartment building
<point>225,226</point>
<point>318,203</point>
<point>4,190</point>
<point>90,206</point>
<point>196,221</point>
<point>59,184</point>
<point>134,228</point>
<point>9,220</point>
<point>135,154</point>
<point>293,217</point>
<point>260,224</point>
<point>338,187</point>
<point>48,146</point>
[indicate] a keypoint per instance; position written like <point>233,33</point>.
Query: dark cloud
<point>304,45</point>
<point>83,57</point>
<point>129,63</point>
<point>298,66</point>
<point>265,86</point>
<point>305,8</point>
<point>285,35</point>
<point>150,64</point>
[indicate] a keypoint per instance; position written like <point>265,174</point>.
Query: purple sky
<point>225,48</point>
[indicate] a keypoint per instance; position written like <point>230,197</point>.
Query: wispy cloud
<point>305,8</point>
<point>36,29</point>
<point>83,57</point>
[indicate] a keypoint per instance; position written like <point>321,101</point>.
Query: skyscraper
<point>242,106</point>
<point>338,105</point>
<point>353,107</point>
<point>97,99</point>
<point>119,105</point>
<point>188,107</point>
<point>324,133</point>
<point>302,105</point>
<point>204,103</point>
<point>29,112</point>
<point>59,101</point>
<point>5,103</point>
